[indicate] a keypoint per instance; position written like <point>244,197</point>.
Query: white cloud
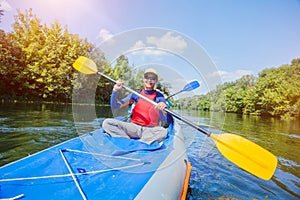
<point>139,44</point>
<point>104,35</point>
<point>151,45</point>
<point>156,45</point>
<point>230,76</point>
<point>141,47</point>
<point>4,5</point>
<point>169,42</point>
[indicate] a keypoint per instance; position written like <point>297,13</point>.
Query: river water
<point>29,128</point>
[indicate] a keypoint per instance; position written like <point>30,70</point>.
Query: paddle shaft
<point>155,104</point>
<point>174,94</point>
<point>188,87</point>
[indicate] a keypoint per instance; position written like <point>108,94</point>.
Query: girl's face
<point>149,81</point>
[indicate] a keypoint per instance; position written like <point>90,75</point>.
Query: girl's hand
<point>161,106</point>
<point>118,86</point>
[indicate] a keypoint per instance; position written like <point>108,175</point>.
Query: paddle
<point>188,87</point>
<point>242,152</point>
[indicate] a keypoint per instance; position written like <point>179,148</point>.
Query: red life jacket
<point>145,113</point>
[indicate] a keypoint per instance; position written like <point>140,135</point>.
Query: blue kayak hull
<point>95,166</point>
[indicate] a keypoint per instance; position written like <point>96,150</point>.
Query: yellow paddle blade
<point>85,65</point>
<point>246,154</point>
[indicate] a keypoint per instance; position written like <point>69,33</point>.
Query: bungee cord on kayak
<point>83,172</point>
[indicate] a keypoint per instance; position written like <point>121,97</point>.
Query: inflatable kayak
<point>96,166</point>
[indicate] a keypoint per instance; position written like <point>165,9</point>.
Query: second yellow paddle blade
<point>246,154</point>
<point>85,65</point>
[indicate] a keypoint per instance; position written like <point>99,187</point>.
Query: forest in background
<point>36,65</point>
<point>275,92</point>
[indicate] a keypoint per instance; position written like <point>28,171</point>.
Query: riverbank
<point>3,101</point>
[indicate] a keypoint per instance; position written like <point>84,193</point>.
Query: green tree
<point>204,103</point>
<point>275,90</point>
<point>236,94</point>
<point>46,58</point>
<point>9,66</point>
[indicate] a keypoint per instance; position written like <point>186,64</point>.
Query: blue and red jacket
<point>143,113</point>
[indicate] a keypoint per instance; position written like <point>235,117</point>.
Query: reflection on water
<point>28,128</point>
<point>214,177</point>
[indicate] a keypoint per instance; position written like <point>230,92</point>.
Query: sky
<point>240,37</point>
